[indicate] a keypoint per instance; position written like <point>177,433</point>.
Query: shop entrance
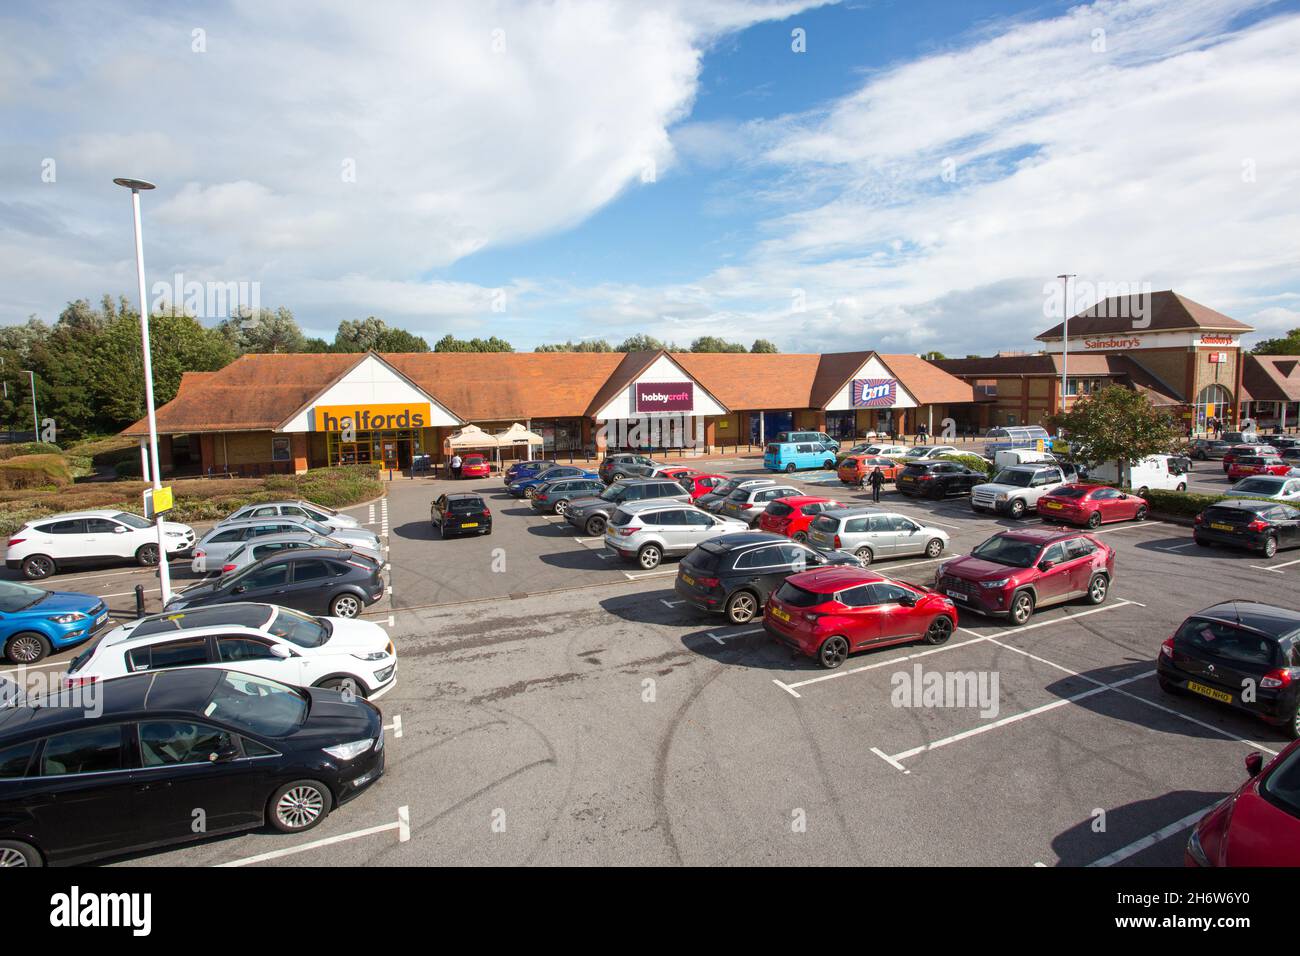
<point>389,449</point>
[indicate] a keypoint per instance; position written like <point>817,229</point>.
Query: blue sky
<point>912,181</point>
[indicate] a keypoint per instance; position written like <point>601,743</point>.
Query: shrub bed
<point>36,471</point>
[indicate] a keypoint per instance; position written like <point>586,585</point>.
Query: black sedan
<point>333,581</point>
<point>1258,525</point>
<point>460,514</point>
<point>938,479</point>
<point>733,574</point>
<point>243,750</point>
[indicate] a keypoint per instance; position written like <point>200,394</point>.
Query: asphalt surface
<point>557,706</point>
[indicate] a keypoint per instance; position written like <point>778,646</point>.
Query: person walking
<point>455,467</point>
<point>876,480</point>
<point>922,433</point>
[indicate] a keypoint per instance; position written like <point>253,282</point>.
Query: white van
<point>1159,472</point>
<point>1010,457</point>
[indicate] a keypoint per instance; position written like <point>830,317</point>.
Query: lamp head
<point>133,184</point>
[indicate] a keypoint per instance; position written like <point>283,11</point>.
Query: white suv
<point>262,639</point>
<point>47,545</point>
<point>648,530</point>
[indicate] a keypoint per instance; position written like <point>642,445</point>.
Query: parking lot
<point>556,705</point>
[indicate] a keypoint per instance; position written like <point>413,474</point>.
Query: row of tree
<point>648,343</point>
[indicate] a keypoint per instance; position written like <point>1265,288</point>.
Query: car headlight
<point>999,583</point>
<point>69,618</point>
<point>350,750</point>
<point>372,656</point>
<point>1002,496</point>
<point>1196,851</point>
<point>938,572</point>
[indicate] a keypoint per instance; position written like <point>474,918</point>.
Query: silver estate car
<point>747,504</point>
<point>294,509</point>
<point>875,535</point>
<point>258,548</point>
<point>645,531</point>
<point>211,551</point>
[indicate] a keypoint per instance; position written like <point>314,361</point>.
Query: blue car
<point>788,456</point>
<point>35,622</point>
<point>526,469</point>
<point>522,487</point>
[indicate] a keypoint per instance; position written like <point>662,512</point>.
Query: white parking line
<point>889,760</point>
<point>395,726</point>
<point>402,826</point>
<point>1151,839</point>
<point>370,517</point>
<point>667,603</point>
<point>22,669</point>
<point>648,574</point>
<point>1275,568</point>
<point>720,638</point>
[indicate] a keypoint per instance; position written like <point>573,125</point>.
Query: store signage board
<point>367,417</point>
<point>874,393</point>
<point>664,396</point>
<point>157,501</point>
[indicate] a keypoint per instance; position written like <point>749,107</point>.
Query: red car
<point>1091,505</point>
<point>1238,451</point>
<point>1015,572</point>
<point>791,516</point>
<point>854,469</point>
<point>700,485</point>
<point>677,472</point>
<point>475,466</point>
<point>1259,825</point>
<point>830,613</point>
<point>1243,466</point>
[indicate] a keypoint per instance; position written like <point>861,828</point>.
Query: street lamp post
<point>1065,338</point>
<point>164,571</point>
<point>36,422</point>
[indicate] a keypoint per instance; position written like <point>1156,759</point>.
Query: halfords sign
<point>874,392</point>
<point>665,396</point>
<point>365,418</point>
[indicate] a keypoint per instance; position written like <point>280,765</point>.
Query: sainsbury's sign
<point>874,392</point>
<point>665,396</point>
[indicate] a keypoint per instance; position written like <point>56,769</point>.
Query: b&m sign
<point>665,396</point>
<point>874,392</point>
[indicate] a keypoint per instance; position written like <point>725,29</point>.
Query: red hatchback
<point>791,516</point>
<point>1246,465</point>
<point>1015,572</point>
<point>475,466</point>
<point>1259,825</point>
<point>830,613</point>
<point>700,485</point>
<point>1090,505</point>
<point>1240,451</point>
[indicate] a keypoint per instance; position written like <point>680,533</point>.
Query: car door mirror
<point>227,751</point>
<point>239,589</point>
<point>1254,763</point>
<point>118,529</point>
<point>1046,565</point>
<point>280,651</point>
<point>907,601</point>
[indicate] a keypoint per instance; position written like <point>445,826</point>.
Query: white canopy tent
<point>517,435</point>
<point>471,436</point>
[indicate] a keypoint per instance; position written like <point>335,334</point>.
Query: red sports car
<point>791,516</point>
<point>1259,825</point>
<point>829,613</point>
<point>1246,465</point>
<point>1091,505</point>
<point>475,466</point>
<point>700,485</point>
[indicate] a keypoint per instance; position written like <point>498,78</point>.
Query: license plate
<point>907,478</point>
<point>469,524</point>
<point>1219,526</point>
<point>956,594</point>
<point>1054,505</point>
<point>688,579</point>
<point>778,613</point>
<point>101,619</point>
<point>1219,695</point>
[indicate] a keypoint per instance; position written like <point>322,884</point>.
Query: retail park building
<point>287,413</point>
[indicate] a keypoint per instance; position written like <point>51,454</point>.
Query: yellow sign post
<point>157,501</point>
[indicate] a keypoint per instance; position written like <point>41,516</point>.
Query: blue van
<point>789,455</point>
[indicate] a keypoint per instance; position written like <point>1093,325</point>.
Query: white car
<point>295,509</point>
<point>45,546</point>
<point>262,639</point>
<point>1278,487</point>
<point>927,452</point>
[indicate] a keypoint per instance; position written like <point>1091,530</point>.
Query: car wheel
<point>17,853</point>
<point>1292,725</point>
<point>345,605</point>
<point>834,651</point>
<point>1140,514</point>
<point>146,555</point>
<point>529,492</point>
<point>1142,492</point>
<point>789,469</point>
<point>38,566</point>
<point>1182,486</point>
<point>800,536</point>
<point>1022,608</point>
<point>595,526</point>
<point>1098,588</point>
<point>618,476</point>
<point>828,465</point>
<point>561,506</point>
<point>1017,509</point>
<point>299,806</point>
<point>26,647</point>
<point>344,685</point>
<point>940,630</point>
<point>649,556</point>
<point>741,607</point>
<point>1094,520</point>
<point>863,555</point>
<point>1168,686</point>
<point>1202,542</point>
<point>1270,546</point>
<point>934,548</point>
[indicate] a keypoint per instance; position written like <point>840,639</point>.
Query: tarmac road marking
<point>1151,839</point>
<point>402,825</point>
<point>395,726</point>
<point>1275,568</point>
<point>720,638</point>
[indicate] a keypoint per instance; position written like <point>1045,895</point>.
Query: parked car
<point>255,549</point>
<point>249,750</point>
<point>1251,523</point>
<point>937,479</point>
<point>874,535</point>
<point>475,466</point>
<point>859,449</point>
<point>524,487</point>
<point>1284,441</point>
<point>1014,573</point>
<point>816,438</point>
<point>1161,472</point>
<point>748,504</point>
<point>617,467</point>
<point>324,581</point>
<point>713,500</point>
<point>45,546</point>
<point>675,472</point>
<point>1246,437</point>
<point>790,456</point>
<point>526,469</point>
<point>1207,449</point>
<point>35,622</point>
<point>647,531</point>
<point>1014,491</point>
<point>460,514</point>
<point>1243,466</point>
<point>1277,487</point>
<point>223,540</point>
<point>554,496</point>
<point>699,485</point>
<point>928,452</point>
<point>855,469</point>
<point>790,516</point>
<point>1091,505</point>
<point>1240,450</point>
<point>294,509</point>
<point>1259,825</point>
<point>1239,653</point>
<point>263,639</point>
<point>734,574</point>
<point>1290,455</point>
<point>831,613</point>
<point>592,514</point>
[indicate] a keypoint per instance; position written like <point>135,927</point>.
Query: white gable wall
<point>371,382</point>
<point>663,369</point>
<point>872,368</point>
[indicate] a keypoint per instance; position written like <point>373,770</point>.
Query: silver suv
<point>874,535</point>
<point>591,514</point>
<point>648,530</point>
<point>748,504</point>
<point>715,499</point>
<point>1015,490</point>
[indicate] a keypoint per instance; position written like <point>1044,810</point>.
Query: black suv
<point>340,583</point>
<point>733,574</point>
<point>592,514</point>
<point>1263,526</point>
<point>460,514</point>
<point>1239,653</point>
<point>616,467</point>
<point>938,479</point>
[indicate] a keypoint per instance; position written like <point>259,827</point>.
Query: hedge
<point>973,462</point>
<point>35,471</point>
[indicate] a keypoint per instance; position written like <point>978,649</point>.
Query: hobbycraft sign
<point>874,392</point>
<point>665,396</point>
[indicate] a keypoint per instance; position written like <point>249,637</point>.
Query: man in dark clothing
<point>876,480</point>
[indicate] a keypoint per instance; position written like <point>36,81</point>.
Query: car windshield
<point>1013,552</point>
<point>796,596</point>
<point>1020,479</point>
<point>18,597</point>
<point>256,704</point>
<point>727,487</point>
<point>614,492</point>
<point>1282,786</point>
<point>1070,492</point>
<point>130,520</point>
<point>1259,486</point>
<point>299,628</point>
<point>317,528</point>
<point>467,504</point>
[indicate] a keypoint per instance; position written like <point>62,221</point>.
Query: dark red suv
<point>1014,572</point>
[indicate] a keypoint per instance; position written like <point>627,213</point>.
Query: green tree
<point>1116,424</point>
<point>640,343</point>
<point>263,330</point>
<point>1288,344</point>
<point>586,345</point>
<point>449,343</point>
<point>764,346</point>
